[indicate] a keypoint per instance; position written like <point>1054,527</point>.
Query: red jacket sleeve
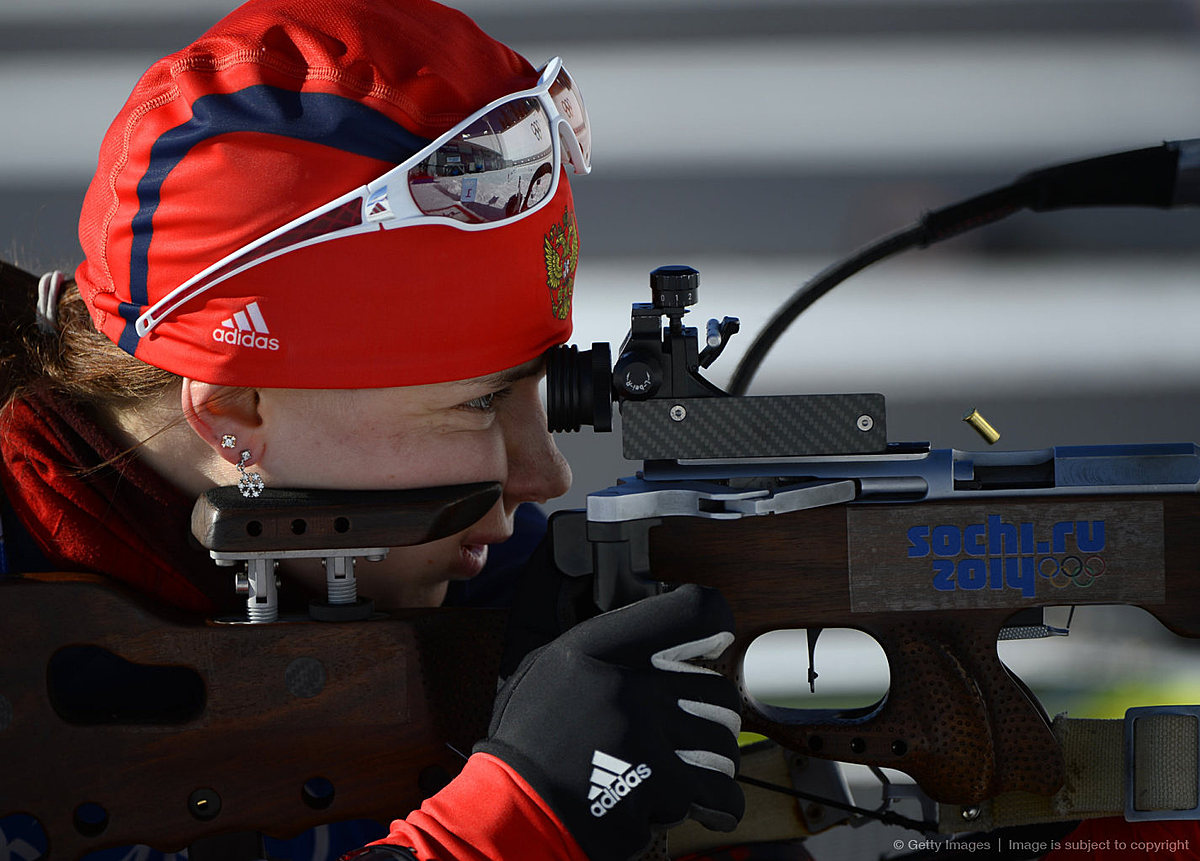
<point>1115,839</point>
<point>487,813</point>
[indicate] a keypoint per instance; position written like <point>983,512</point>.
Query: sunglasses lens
<point>498,167</point>
<point>569,100</point>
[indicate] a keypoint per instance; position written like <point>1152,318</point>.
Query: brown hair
<point>75,360</point>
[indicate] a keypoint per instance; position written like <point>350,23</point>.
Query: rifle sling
<point>1164,764</point>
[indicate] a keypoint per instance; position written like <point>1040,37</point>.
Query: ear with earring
<point>249,483</point>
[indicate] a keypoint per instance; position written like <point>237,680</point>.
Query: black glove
<point>618,733</point>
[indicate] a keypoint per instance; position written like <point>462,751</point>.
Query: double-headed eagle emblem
<point>562,255</point>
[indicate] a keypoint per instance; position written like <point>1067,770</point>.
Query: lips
<point>472,558</point>
<point>473,551</point>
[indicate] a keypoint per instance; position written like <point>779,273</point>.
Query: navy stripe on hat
<point>322,118</point>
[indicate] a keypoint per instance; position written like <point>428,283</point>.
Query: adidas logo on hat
<point>612,780</point>
<point>246,328</point>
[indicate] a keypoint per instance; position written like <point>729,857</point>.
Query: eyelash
<point>485,403</point>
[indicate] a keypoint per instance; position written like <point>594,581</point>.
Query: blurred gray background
<point>760,140</point>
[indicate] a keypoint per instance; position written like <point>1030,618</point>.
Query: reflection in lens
<point>569,100</point>
<point>498,167</point>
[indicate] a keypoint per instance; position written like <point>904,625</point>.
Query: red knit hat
<point>281,107</point>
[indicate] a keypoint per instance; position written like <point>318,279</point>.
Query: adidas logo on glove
<point>612,780</point>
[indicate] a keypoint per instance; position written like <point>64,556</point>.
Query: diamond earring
<point>228,441</point>
<point>250,483</point>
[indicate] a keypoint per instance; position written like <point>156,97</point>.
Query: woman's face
<point>485,429</point>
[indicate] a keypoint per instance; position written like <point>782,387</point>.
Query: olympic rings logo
<point>1072,570</point>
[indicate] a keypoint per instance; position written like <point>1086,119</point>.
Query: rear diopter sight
<point>579,387</point>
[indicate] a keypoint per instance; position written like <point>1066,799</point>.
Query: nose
<point>537,471</point>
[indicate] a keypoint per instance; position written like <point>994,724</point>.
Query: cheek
<point>435,458</point>
<point>420,562</point>
<point>412,567</point>
<point>524,414</point>
<point>372,451</point>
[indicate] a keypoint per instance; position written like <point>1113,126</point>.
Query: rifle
<point>803,514</point>
<point>256,724</point>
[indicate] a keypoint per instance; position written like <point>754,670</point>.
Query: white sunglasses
<point>498,165</point>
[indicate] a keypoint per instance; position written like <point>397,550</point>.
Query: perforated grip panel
<point>770,426</point>
<point>953,718</point>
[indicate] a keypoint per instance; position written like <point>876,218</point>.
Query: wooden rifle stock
<point>121,724</point>
<point>955,718</point>
<point>372,707</point>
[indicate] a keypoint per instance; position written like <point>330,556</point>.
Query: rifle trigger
<point>811,635</point>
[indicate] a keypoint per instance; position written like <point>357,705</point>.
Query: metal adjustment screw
<point>341,586</point>
<point>970,814</point>
<point>204,804</point>
<point>678,413</point>
<point>865,423</point>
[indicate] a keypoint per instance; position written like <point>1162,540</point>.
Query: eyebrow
<point>507,377</point>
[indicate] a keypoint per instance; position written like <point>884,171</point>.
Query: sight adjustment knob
<point>674,287</point>
<point>637,376</point>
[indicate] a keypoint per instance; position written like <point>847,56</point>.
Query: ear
<point>214,412</point>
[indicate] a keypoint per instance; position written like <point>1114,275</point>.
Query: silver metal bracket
<point>894,792</point>
<point>636,499</point>
<point>823,778</point>
<point>1033,623</point>
<point>257,581</point>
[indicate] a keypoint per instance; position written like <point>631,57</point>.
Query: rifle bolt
<point>982,426</point>
<point>678,413</point>
<point>970,814</point>
<point>865,423</point>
